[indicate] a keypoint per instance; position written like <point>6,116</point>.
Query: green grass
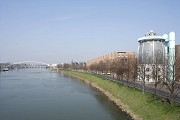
<point>144,105</point>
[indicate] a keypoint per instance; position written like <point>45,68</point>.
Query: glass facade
<point>151,52</point>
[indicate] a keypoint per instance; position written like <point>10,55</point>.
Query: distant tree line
<point>73,65</point>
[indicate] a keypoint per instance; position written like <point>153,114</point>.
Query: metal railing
<point>164,93</point>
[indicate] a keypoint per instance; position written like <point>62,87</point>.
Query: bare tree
<point>144,69</point>
<point>142,75</point>
<point>93,67</point>
<point>82,66</point>
<point>66,66</point>
<point>157,67</point>
<point>133,69</point>
<point>101,67</point>
<point>126,66</point>
<point>107,65</point>
<point>112,67</point>
<point>172,79</point>
<point>59,66</point>
<point>118,67</point>
<point>130,69</point>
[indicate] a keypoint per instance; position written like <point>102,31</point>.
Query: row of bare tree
<point>164,74</point>
<point>121,68</point>
<point>164,71</point>
<point>73,65</point>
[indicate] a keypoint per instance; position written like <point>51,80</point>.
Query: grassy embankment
<point>138,105</point>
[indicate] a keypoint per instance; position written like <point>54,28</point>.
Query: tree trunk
<point>143,87</point>
<point>155,90</point>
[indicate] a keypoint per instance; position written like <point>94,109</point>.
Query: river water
<point>40,94</point>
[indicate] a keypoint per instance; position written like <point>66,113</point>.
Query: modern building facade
<point>111,57</point>
<point>151,46</point>
<point>155,50</point>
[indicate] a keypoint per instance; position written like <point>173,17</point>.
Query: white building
<point>153,52</point>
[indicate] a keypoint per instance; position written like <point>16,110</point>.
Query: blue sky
<point>58,31</point>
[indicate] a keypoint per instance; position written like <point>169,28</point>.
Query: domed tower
<point>151,51</point>
<point>151,47</point>
<point>156,51</point>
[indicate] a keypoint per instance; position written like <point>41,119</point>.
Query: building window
<point>147,69</point>
<point>138,69</point>
<point>147,78</point>
<point>159,77</point>
<point>159,69</point>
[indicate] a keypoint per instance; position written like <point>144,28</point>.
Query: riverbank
<point>137,105</point>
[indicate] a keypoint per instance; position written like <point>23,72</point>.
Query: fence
<point>162,92</point>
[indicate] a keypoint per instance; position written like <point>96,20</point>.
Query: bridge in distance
<point>31,64</point>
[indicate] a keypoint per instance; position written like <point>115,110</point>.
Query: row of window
<point>148,69</point>
<point>159,77</point>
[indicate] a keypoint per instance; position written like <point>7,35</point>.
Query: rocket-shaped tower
<point>170,50</point>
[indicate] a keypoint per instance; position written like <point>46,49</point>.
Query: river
<point>40,94</point>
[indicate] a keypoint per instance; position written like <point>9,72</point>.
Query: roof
<point>151,36</point>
